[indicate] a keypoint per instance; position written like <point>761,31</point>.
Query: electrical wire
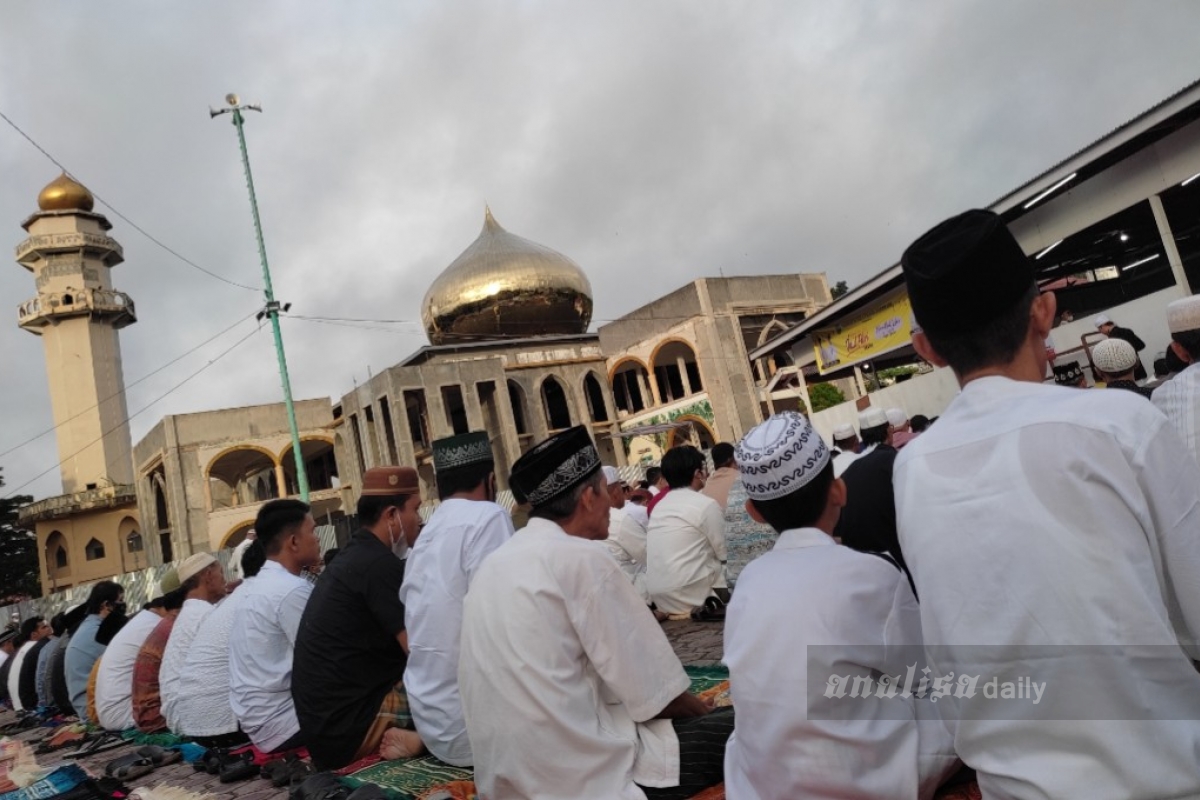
<point>124,218</point>
<point>161,397</point>
<point>126,388</point>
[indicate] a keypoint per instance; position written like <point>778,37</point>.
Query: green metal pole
<point>273,313</point>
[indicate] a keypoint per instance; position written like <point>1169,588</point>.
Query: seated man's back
<point>114,683</point>
<point>685,550</point>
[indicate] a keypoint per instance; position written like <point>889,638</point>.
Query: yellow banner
<point>879,331</point>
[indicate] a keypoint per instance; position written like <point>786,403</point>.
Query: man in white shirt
<point>685,541</point>
<point>33,630</point>
<point>203,580</point>
<point>1179,398</point>
<point>464,529</point>
<point>1054,538</point>
<point>724,473</point>
<point>570,687</point>
<point>114,680</point>
<point>626,540</point>
<point>845,439</point>
<point>203,712</point>
<point>262,641</point>
<point>808,611</point>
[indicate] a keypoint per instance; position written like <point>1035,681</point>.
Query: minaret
<point>78,313</point>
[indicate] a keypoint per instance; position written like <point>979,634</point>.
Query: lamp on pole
<point>272,308</point>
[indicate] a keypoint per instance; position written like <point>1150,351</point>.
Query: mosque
<point>509,352</point>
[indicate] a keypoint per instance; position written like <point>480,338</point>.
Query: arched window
<point>516,398</point>
<point>631,387</point>
<point>597,409</point>
<point>241,476</point>
<point>676,372</point>
<point>554,400</point>
<point>94,549</point>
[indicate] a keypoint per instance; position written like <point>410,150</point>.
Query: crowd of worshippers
<point>1034,520</point>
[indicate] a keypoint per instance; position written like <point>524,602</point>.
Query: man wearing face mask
<point>465,528</point>
<point>352,646</point>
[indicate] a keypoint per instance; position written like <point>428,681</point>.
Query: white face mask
<point>399,545</point>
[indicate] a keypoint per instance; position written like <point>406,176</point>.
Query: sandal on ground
<point>159,756</point>
<point>238,767</point>
<point>96,744</point>
<point>322,786</point>
<point>713,610</point>
<point>129,767</point>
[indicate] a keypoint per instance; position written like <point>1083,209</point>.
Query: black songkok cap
<point>554,467</point>
<point>965,272</point>
<point>464,450</point>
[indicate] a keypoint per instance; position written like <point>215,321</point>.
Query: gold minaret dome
<point>65,194</point>
<point>503,287</point>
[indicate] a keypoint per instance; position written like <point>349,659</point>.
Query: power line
<point>126,219</point>
<point>126,388</point>
<point>161,397</point>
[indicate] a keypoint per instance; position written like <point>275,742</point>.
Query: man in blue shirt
<point>83,650</point>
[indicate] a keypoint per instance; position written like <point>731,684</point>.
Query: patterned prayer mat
<point>422,777</point>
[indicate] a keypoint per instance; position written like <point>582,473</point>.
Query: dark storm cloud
<point>654,143</point>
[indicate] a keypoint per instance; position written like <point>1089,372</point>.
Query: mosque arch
<point>676,371</point>
<point>235,535</point>
<point>520,407</point>
<point>234,474</point>
<point>630,383</point>
<point>555,404</point>
<point>320,465</point>
<point>704,433</point>
<point>593,393</point>
<point>58,555</point>
<point>94,549</point>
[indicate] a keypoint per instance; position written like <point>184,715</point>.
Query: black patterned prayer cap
<point>554,467</point>
<point>463,450</point>
<point>965,272</point>
<point>780,456</point>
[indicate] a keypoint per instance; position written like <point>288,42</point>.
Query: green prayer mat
<point>409,779</point>
<point>142,739</point>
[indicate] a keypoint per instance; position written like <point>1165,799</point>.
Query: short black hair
<point>275,518</point>
<point>679,465</point>
<point>722,454</point>
<point>1174,362</point>
<point>463,479</point>
<point>652,475</point>
<point>174,599</point>
<point>918,423</point>
<point>988,344</point>
<point>1189,341</point>
<point>800,509</point>
<point>875,435</point>
<point>330,555</point>
<point>253,558</point>
<point>150,605</point>
<point>103,592</point>
<point>564,506</point>
<point>28,627</point>
<point>58,623</point>
<point>371,507</point>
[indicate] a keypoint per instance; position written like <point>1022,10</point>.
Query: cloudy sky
<point>653,142</point>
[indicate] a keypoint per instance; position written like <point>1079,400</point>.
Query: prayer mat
<point>427,778</point>
<point>59,781</point>
<point>160,739</point>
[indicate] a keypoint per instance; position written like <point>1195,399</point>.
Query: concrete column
<point>648,399</point>
<point>1168,240</point>
<point>683,376</point>
<point>653,381</point>
<point>281,480</point>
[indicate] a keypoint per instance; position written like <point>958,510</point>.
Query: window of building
<point>94,550</point>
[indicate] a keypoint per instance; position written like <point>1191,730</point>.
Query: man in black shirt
<point>352,647</point>
<point>1115,331</point>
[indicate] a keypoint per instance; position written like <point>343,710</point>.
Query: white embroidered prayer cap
<point>1114,356</point>
<point>844,433</point>
<point>872,418</point>
<point>194,565</point>
<point>610,476</point>
<point>1184,315</point>
<point>1101,320</point>
<point>896,416</point>
<point>780,456</point>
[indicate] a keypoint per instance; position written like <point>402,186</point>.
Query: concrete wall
<point>109,527</point>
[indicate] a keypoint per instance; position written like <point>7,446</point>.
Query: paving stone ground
<point>695,642</point>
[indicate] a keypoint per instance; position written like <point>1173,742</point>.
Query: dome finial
<point>489,222</point>
<point>64,193</point>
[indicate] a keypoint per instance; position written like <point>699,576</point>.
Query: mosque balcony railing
<point>98,499</point>
<point>46,309</point>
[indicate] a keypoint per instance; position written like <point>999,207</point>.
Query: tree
<point>825,395</point>
<point>840,288</point>
<point>20,574</point>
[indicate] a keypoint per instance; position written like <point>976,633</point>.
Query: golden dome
<point>65,194</point>
<point>504,286</point>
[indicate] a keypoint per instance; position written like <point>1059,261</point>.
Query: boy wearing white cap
<point>845,439</point>
<point>1114,331</point>
<point>808,612</point>
<point>1115,360</point>
<point>203,580</point>
<point>626,540</point>
<point>1179,398</point>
